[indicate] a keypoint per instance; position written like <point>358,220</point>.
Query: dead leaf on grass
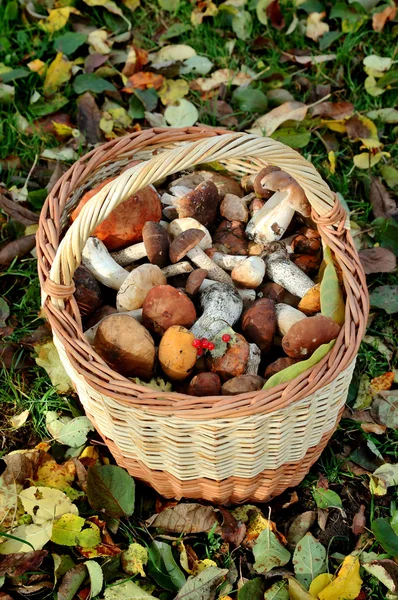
<point>333,110</point>
<point>377,260</point>
<point>315,27</point>
<point>142,81</point>
<point>379,19</point>
<point>18,247</point>
<point>382,203</point>
<point>288,111</point>
<point>185,518</point>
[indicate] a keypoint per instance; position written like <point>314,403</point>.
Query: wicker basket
<point>230,448</point>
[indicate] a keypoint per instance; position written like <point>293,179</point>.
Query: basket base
<point>263,487</point>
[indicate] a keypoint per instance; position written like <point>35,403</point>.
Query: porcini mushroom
<point>242,384</point>
<point>195,280</point>
<point>234,208</point>
<point>201,203</point>
<point>230,238</point>
<point>205,384</point>
<point>136,286</point>
<point>248,296</point>
<point>125,345</point>
<point>177,355</point>
<point>87,291</point>
<point>286,316</point>
<point>224,184</point>
<point>249,273</point>
<point>222,306</point>
<point>165,306</point>
<point>279,365</point>
<point>305,336</point>
<point>124,225</point>
<point>187,244</point>
<point>270,222</point>
<point>277,293</point>
<point>179,225</point>
<point>155,246</point>
<point>280,269</point>
<point>253,363</point>
<point>259,323</point>
<point>225,261</point>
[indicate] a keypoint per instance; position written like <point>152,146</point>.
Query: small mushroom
<point>311,302</point>
<point>179,225</point>
<point>87,291</point>
<point>222,306</point>
<point>155,246</point>
<point>99,262</point>
<point>136,286</point>
<point>277,293</point>
<point>250,273</point>
<point>234,362</point>
<point>279,365</point>
<point>242,384</point>
<point>230,238</point>
<point>165,306</point>
<point>286,316</point>
<point>200,203</point>
<point>234,208</point>
<point>195,280</point>
<point>125,345</point>
<point>304,337</point>
<point>280,269</point>
<point>224,184</point>
<point>177,355</point>
<point>124,225</point>
<point>301,244</point>
<point>307,263</point>
<point>270,222</point>
<point>205,384</point>
<point>259,323</point>
<point>187,244</point>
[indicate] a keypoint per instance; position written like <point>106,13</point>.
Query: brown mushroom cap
<point>165,306</point>
<point>277,293</point>
<point>224,184</point>
<point>305,336</point>
<point>87,291</point>
<point>280,181</point>
<point>230,238</point>
<point>205,384</point>
<point>259,187</point>
<point>195,280</point>
<point>183,243</point>
<point>125,345</point>
<point>201,203</point>
<point>259,323</point>
<point>279,365</point>
<point>156,240</point>
<point>304,245</point>
<point>234,362</point>
<point>242,384</point>
<point>307,263</point>
<point>311,302</point>
<point>233,209</point>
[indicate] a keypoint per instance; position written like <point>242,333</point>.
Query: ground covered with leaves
<point>321,77</point>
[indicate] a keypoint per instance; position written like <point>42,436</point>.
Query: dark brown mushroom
<point>183,243</point>
<point>279,365</point>
<point>258,187</point>
<point>195,280</point>
<point>87,291</point>
<point>234,362</point>
<point>205,384</point>
<point>242,384</point>
<point>201,203</point>
<point>259,323</point>
<point>230,238</point>
<point>165,306</point>
<point>157,241</point>
<point>305,336</point>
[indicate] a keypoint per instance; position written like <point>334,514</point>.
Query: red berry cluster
<point>202,345</point>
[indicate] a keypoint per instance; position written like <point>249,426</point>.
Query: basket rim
<point>66,323</point>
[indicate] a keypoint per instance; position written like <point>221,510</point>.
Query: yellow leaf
<point>348,26</point>
<point>90,452</point>
<point>37,66</point>
<point>131,4</point>
<point>315,28</point>
<point>335,125</point>
<point>372,88</point>
<point>58,18</point>
<point>58,73</point>
<point>51,474</point>
<point>347,584</point>
<point>297,591</point>
<point>201,565</point>
<point>106,125</point>
<point>365,160</point>
<point>134,559</point>
<point>319,583</point>
<point>372,140</point>
<point>206,9</point>
<point>65,130</point>
<point>46,504</point>
<point>98,40</point>
<point>332,161</point>
<point>173,90</point>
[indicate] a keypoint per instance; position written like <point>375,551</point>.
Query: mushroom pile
<point>207,283</point>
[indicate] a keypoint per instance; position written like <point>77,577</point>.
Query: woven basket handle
<point>240,152</point>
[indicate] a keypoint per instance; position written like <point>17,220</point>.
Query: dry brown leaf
<point>18,247</point>
<point>223,112</point>
<point>185,518</point>
<point>300,525</point>
<point>136,59</point>
<point>219,77</point>
<point>384,382</point>
<point>17,564</point>
<point>323,516</point>
<point>16,211</point>
<point>275,15</point>
<point>333,110</point>
<point>382,203</point>
<point>377,260</point>
<point>293,499</point>
<point>359,521</point>
<point>373,428</point>
<point>380,19</point>
<point>288,111</point>
<point>142,81</point>
<point>88,118</point>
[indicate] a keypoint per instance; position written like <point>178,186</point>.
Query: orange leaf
<point>136,59</point>
<point>381,18</point>
<point>142,81</point>
<point>384,382</point>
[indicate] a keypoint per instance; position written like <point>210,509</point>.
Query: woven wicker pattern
<point>184,446</point>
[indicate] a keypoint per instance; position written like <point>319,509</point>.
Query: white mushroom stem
<point>177,192</point>
<point>222,307</point>
<point>178,269</point>
<point>254,360</point>
<point>286,316</point>
<point>283,271</point>
<point>248,296</point>
<point>90,333</point>
<point>270,222</point>
<point>227,261</point>
<point>100,263</point>
<point>201,260</point>
<point>130,254</point>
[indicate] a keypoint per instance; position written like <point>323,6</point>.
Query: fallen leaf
<point>300,525</point>
<point>185,518</point>
<point>219,77</point>
<point>45,504</point>
<point>386,298</point>
<point>37,66</point>
<point>108,5</point>
<point>123,589</point>
<point>202,586</point>
<point>17,248</point>
<point>172,53</point>
<point>377,260</point>
<point>277,591</point>
<point>15,565</point>
<point>204,8</point>
<point>48,358</point>
<point>242,25</point>
<point>111,489</point>
<point>223,111</point>
<point>7,93</point>
<point>362,128</point>
<point>315,28</point>
<point>143,81</point>
<point>325,498</point>
<point>69,42</point>
<point>379,19</point>
<point>347,584</point>
<point>58,18</point>
<point>198,65</point>
<point>169,5</point>
<point>163,568</point>
<point>385,535</point>
<point>52,474</point>
<point>309,559</point>
<point>134,558</point>
<point>183,114</point>
<point>71,581</point>
<point>297,591</point>
<point>275,15</point>
<point>173,90</point>
<point>385,409</point>
<point>18,421</point>
<point>90,82</point>
<point>88,118</point>
<point>319,584</point>
<point>333,110</point>
<point>382,203</point>
<point>252,590</point>
<point>383,478</point>
<point>390,175</point>
<point>58,73</point>
<point>261,10</point>
<point>269,552</point>
<point>99,43</point>
<point>378,64</point>
<point>66,529</point>
<point>136,59</point>
<point>26,537</point>
<point>288,111</point>
<point>386,115</point>
<point>383,382</point>
<point>359,521</point>
<point>367,160</point>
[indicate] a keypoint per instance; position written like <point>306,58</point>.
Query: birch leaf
<point>277,591</point>
<point>183,114</point>
<point>58,18</point>
<point>269,552</point>
<point>332,301</point>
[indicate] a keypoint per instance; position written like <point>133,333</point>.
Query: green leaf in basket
<point>163,568</point>
<point>332,301</point>
<point>269,552</point>
<point>294,370</point>
<point>111,489</point>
